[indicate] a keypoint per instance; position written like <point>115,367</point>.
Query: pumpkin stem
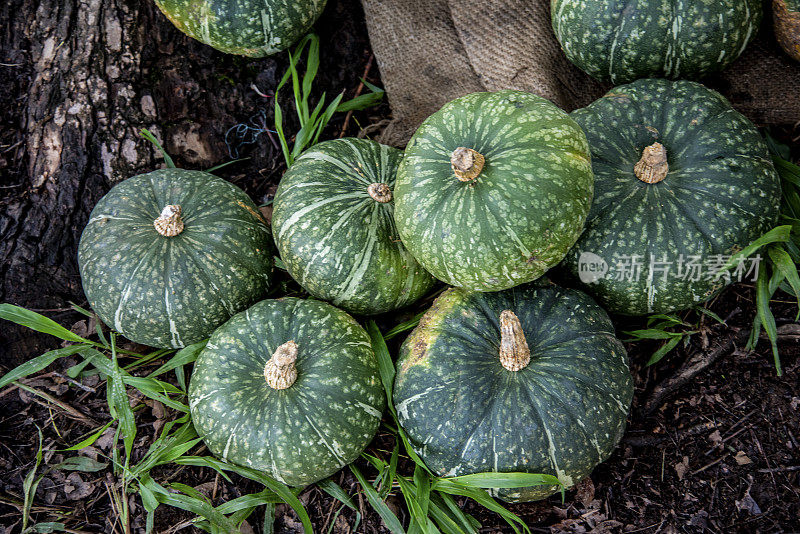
<point>653,167</point>
<point>466,163</point>
<point>169,223</point>
<point>280,371</point>
<point>514,351</point>
<point>380,192</point>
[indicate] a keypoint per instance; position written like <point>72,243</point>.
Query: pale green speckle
<point>519,216</point>
<point>561,415</point>
<point>303,433</point>
<point>173,291</point>
<point>622,40</point>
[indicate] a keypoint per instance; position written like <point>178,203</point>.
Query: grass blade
<point>198,507</point>
<point>281,490</point>
<point>118,404</point>
<point>80,463</point>
<point>287,155</point>
<point>37,364</point>
<point>663,350</point>
<point>312,65</point>
<point>783,262</point>
<point>337,492</point>
<point>144,132</point>
<point>651,333</point>
<point>779,234</point>
<point>389,519</point>
<point>763,296</point>
<point>503,480</point>
<point>466,522</point>
<point>360,102</point>
<point>484,499</point>
<point>30,484</point>
<point>269,519</point>
<point>91,439</point>
<point>419,516</point>
<point>385,364</point>
<point>706,311</point>
<point>403,327</point>
<point>182,357</point>
<point>38,322</point>
<point>223,165</point>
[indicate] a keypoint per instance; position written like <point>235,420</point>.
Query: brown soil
<point>719,453</point>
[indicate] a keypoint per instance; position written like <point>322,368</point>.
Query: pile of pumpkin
<point>504,372</point>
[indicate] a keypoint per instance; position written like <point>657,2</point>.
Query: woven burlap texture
<point>431,51</point>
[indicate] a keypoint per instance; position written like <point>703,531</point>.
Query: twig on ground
<point>358,93</point>
<point>780,469</point>
<point>68,410</point>
<point>712,464</point>
<point>693,366</point>
<point>766,459</point>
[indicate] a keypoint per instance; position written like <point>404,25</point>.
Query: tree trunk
<point>84,105</point>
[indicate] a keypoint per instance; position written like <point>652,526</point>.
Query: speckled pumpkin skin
<point>308,431</point>
<point>253,28</point>
<point>519,216</point>
<point>721,191</point>
<point>339,243</point>
<point>562,414</point>
<point>623,40</point>
<point>786,16</point>
<point>170,292</point>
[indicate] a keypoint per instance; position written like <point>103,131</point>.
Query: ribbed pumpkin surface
<point>173,291</point>
<point>307,431</point>
<point>245,27</point>
<point>336,240</point>
<point>622,40</point>
<point>719,194</point>
<point>562,414</point>
<point>521,213</point>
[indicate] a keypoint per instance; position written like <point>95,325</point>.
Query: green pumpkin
<point>168,256</point>
<point>253,28</point>
<point>786,18</point>
<point>681,180</point>
<point>333,223</point>
<point>622,40</point>
<point>289,387</point>
<point>493,190</point>
<point>529,379</point>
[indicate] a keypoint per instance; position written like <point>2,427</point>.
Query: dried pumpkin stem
<point>653,167</point>
<point>466,163</point>
<point>380,192</point>
<point>514,351</point>
<point>280,372</point>
<point>169,223</point>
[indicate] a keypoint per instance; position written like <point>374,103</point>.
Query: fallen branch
<point>692,367</point>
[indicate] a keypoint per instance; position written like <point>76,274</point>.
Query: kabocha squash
<point>253,28</point>
<point>681,182</point>
<point>333,223</point>
<point>168,256</point>
<point>493,189</point>
<point>786,16</point>
<point>622,40</point>
<point>289,387</point>
<point>529,379</point>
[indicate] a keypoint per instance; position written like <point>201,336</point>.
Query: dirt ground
<point>715,452</point>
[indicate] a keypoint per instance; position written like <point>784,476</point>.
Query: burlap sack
<point>431,51</point>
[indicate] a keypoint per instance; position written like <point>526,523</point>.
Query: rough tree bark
<point>79,133</point>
